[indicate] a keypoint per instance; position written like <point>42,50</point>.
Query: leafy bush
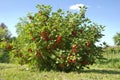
<point>5,48</point>
<point>57,40</point>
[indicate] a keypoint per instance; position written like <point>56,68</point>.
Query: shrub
<point>5,48</point>
<point>57,40</point>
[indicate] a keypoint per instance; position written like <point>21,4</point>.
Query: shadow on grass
<point>101,71</point>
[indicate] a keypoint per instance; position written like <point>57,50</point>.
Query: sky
<point>103,12</point>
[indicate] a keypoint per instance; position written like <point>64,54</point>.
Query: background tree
<point>4,32</point>
<point>5,41</point>
<point>117,39</point>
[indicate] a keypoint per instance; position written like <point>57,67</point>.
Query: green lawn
<point>104,70</point>
<point>16,72</point>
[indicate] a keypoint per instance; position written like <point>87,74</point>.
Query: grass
<point>112,61</point>
<point>103,70</point>
<point>17,72</point>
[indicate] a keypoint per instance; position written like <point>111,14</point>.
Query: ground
<point>17,72</point>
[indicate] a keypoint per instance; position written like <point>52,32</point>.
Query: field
<point>103,70</point>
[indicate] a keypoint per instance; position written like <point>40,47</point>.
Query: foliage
<point>112,55</point>
<point>57,40</point>
<point>5,41</point>
<point>117,39</point>
<point>4,32</point>
<point>6,48</point>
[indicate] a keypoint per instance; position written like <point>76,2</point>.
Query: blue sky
<point>104,12</point>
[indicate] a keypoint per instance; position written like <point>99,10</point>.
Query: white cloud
<point>76,6</point>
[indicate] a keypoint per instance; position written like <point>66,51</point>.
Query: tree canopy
<point>4,32</point>
<point>117,39</point>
